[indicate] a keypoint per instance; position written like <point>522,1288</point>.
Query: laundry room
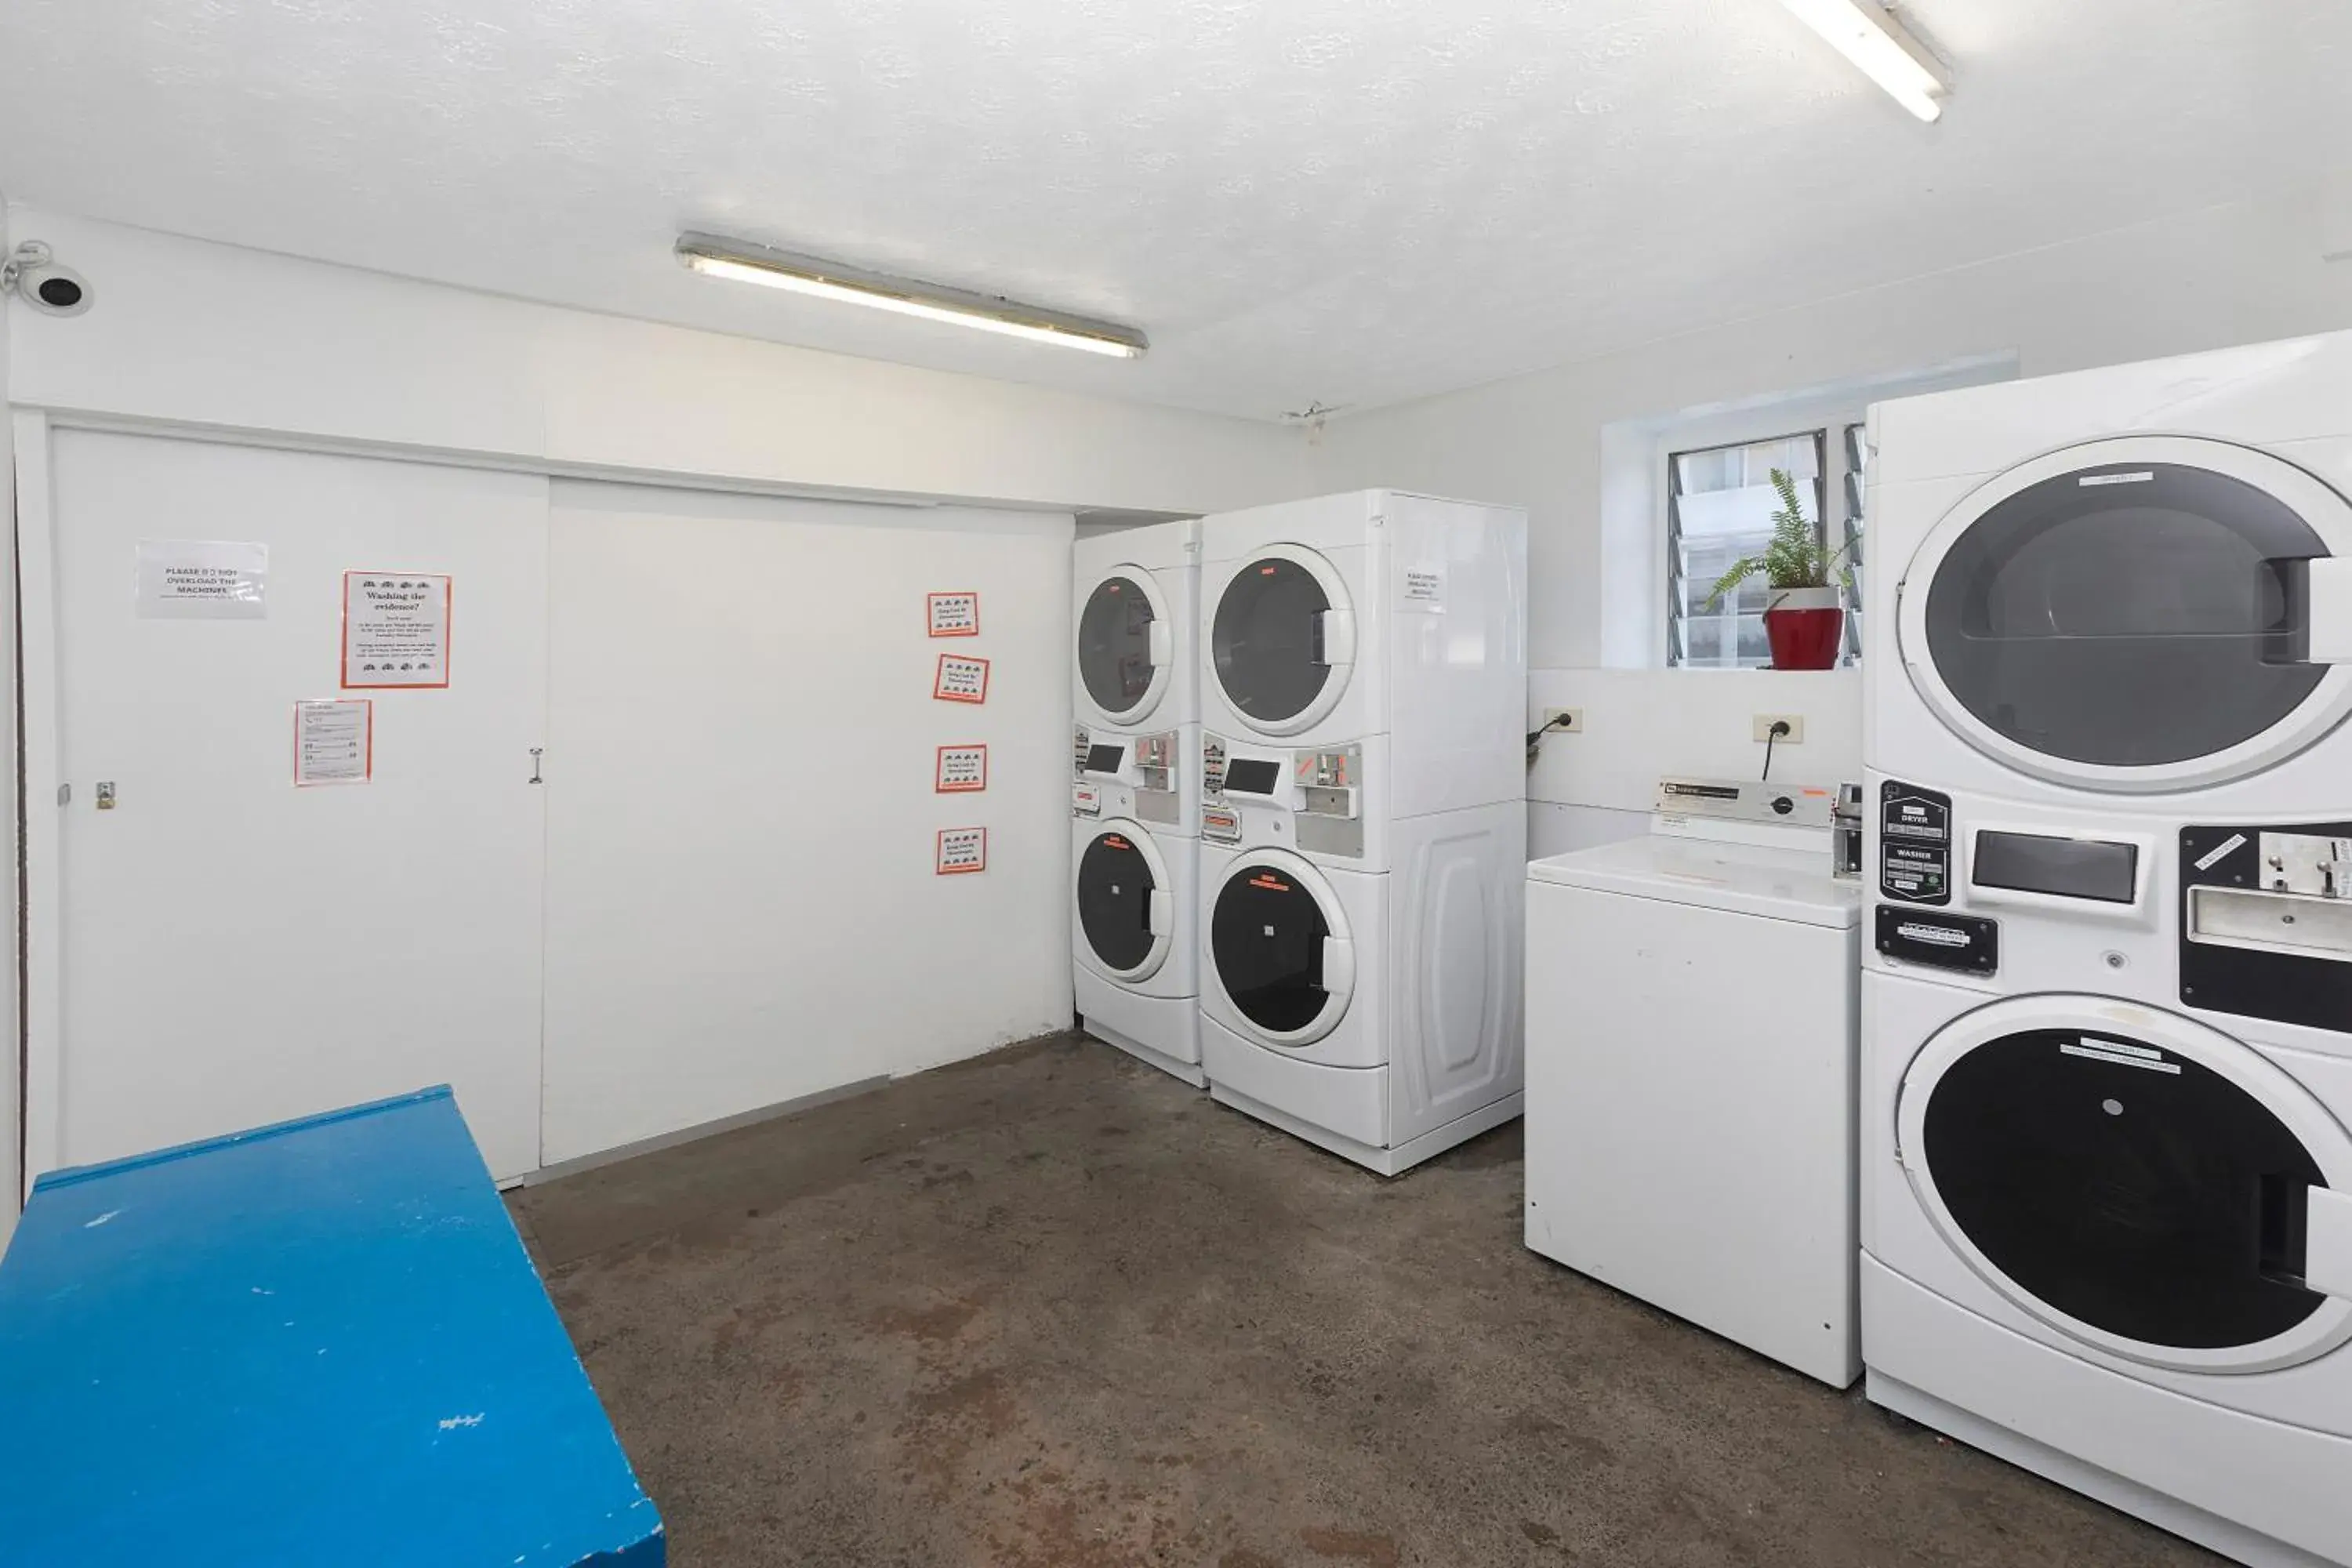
<point>1223,785</point>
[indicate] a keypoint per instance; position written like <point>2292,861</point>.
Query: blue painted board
<point>318,1342</point>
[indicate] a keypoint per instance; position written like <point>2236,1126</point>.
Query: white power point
<point>1793,735</point>
<point>1564,721</point>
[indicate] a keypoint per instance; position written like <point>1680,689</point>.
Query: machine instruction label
<point>396,629</point>
<point>961,851</point>
<point>961,770</point>
<point>960,678</point>
<point>955,614</point>
<point>1915,844</point>
<point>334,742</point>
<point>202,580</point>
<point>1422,589</point>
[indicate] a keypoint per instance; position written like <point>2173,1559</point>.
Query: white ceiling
<point>1342,201</point>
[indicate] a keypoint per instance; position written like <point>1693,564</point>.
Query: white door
<point>231,950</point>
<point>742,906</point>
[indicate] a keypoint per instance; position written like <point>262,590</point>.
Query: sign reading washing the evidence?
<point>396,629</point>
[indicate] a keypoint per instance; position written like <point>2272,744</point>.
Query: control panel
<point>1915,844</point>
<point>1320,792</point>
<point>1156,761</point>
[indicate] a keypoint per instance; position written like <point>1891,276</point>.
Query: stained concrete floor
<point>1051,1308</point>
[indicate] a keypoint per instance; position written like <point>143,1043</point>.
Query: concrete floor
<point>1051,1308</point>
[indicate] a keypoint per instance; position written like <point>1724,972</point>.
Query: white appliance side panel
<point>1455,603</point>
<point>2280,1480</point>
<point>1456,950</point>
<point>742,908</point>
<point>235,950</point>
<point>1691,1079</point>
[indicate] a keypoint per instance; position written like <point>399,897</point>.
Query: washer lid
<point>1280,946</point>
<point>2137,1180</point>
<point>1749,880</point>
<point>1125,900</point>
<point>1125,644</point>
<point>1283,639</point>
<point>2135,614</point>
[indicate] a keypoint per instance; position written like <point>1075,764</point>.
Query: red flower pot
<point>1806,627</point>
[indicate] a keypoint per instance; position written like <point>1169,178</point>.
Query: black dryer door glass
<point>1266,937</point>
<point>2131,615</point>
<point>1114,644</point>
<point>1267,639</point>
<point>2128,1188</point>
<point>1115,900</point>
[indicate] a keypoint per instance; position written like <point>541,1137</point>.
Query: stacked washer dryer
<point>1364,819</point>
<point>1135,804</point>
<point>2108,1000</point>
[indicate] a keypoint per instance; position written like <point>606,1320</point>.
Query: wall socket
<point>1571,721</point>
<point>1796,722</point>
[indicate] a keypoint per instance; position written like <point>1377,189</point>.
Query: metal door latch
<point>106,795</point>
<point>535,752</point>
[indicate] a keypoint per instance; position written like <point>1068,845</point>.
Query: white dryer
<point>1135,800</point>
<point>1363,819</point>
<point>2132,584</point>
<point>1135,596</point>
<point>1376,613</point>
<point>2107,983</point>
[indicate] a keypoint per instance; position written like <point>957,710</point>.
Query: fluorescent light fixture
<point>1864,33</point>
<point>750,263</point>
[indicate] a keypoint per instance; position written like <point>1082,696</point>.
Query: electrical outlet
<point>1796,722</point>
<point>1564,721</point>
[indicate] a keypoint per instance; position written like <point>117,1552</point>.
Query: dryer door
<point>2136,1180</point>
<point>2141,614</point>
<point>1124,902</point>
<point>1282,642</point>
<point>1280,946</point>
<point>1125,644</point>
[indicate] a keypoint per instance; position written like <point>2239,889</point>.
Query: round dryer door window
<point>2131,615</point>
<point>1123,644</point>
<point>1123,901</point>
<point>2141,1181</point>
<point>1280,947</point>
<point>1282,639</point>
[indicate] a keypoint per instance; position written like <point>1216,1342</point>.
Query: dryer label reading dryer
<point>1915,844</point>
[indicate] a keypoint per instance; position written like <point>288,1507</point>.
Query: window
<point>1857,478</point>
<point>1719,506</point>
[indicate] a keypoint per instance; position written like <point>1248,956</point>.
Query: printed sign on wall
<point>960,678</point>
<point>334,742</point>
<point>963,769</point>
<point>202,580</point>
<point>955,614</point>
<point>963,851</point>
<point>396,629</point>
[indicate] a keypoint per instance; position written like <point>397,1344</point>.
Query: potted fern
<point>1805,617</point>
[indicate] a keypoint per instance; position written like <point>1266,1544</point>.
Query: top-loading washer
<point>2132,584</point>
<point>1133,605</point>
<point>1378,612</point>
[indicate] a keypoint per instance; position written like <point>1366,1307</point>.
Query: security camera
<point>35,278</point>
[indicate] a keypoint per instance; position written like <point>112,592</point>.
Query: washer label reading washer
<point>1915,844</point>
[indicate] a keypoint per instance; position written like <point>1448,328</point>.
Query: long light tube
<point>1874,41</point>
<point>749,263</point>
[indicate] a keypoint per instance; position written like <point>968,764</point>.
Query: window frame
<point>1826,427</point>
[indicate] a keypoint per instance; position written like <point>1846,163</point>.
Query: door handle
<point>1159,918</point>
<point>1336,631</point>
<point>2329,586</point>
<point>1339,966</point>
<point>1159,643</point>
<point>2327,1243</point>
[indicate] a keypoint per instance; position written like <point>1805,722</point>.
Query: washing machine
<point>1363,822</point>
<point>1135,792</point>
<point>1134,902</point>
<point>2108,979</point>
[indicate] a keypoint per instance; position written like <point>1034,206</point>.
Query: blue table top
<point>318,1342</point>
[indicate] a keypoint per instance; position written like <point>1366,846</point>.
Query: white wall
<point>2241,273</point>
<point>183,329</point>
